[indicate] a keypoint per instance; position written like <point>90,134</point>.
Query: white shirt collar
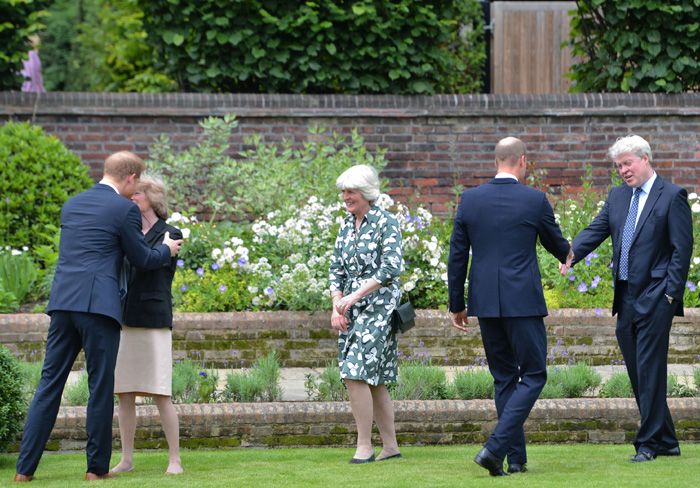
<point>105,182</point>
<point>504,174</point>
<point>646,187</point>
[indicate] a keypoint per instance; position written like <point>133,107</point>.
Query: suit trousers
<point>643,340</point>
<point>516,350</point>
<point>69,332</point>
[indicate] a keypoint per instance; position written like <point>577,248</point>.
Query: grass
<point>571,465</point>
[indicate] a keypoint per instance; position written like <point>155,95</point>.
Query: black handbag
<point>403,318</point>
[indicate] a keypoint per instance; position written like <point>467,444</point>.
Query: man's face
<point>129,186</point>
<point>633,169</point>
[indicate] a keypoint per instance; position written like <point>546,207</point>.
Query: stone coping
<point>397,106</point>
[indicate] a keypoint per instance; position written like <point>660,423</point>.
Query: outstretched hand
<point>173,244</point>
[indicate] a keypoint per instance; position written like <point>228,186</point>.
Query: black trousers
<point>643,341</point>
<point>69,332</point>
<point>516,350</point>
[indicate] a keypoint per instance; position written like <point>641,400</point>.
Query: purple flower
<point>582,288</point>
<point>598,311</point>
<point>691,286</point>
<point>595,282</point>
<point>200,271</point>
<point>180,263</point>
<point>203,374</point>
<point>183,288</point>
<point>572,278</point>
<point>269,290</point>
<point>242,261</point>
<point>222,288</point>
<point>214,266</point>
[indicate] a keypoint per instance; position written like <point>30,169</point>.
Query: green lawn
<point>444,466</point>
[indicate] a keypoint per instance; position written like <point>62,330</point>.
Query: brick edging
<point>314,424</point>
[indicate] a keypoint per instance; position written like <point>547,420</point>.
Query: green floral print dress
<point>368,350</point>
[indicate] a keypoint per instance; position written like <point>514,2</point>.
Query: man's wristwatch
<point>669,298</point>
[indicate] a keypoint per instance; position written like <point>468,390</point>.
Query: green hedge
<point>365,46</point>
<point>37,175</point>
<point>12,407</point>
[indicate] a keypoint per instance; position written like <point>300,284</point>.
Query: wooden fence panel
<point>526,50</point>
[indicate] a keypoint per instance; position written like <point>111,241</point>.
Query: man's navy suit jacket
<point>661,246</point>
<point>500,221</point>
<point>98,227</point>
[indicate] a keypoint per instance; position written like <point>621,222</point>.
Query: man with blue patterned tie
<point>650,224</point>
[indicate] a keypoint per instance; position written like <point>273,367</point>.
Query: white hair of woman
<point>362,178</point>
<point>630,144</point>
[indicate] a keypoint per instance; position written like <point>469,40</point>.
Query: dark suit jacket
<point>661,247</point>
<point>500,221</point>
<point>98,227</point>
<point>149,300</point>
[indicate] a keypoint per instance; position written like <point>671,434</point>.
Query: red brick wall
<point>433,143</point>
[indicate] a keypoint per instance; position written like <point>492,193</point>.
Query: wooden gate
<point>526,47</point>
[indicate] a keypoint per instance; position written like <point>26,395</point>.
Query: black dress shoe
<point>674,451</point>
<point>487,460</point>
<point>362,461</point>
<point>642,457</point>
<point>517,468</point>
<point>393,456</point>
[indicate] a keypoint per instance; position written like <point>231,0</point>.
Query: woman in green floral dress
<point>364,277</point>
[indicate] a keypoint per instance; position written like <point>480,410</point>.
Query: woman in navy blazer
<point>144,361</point>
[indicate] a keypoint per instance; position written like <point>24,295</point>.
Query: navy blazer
<point>661,246</point>
<point>149,299</point>
<point>98,227</point>
<point>500,222</point>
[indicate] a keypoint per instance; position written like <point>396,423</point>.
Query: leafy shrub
<point>77,393</point>
<point>12,406</point>
<point>696,379</point>
<point>572,381</point>
<point>675,388</point>
<point>17,274</point>
<point>327,386</point>
<point>636,45</point>
<point>266,178</point>
<point>211,289</point>
<point>420,381</point>
<point>37,175</point>
<point>473,384</point>
<point>30,373</point>
<point>192,383</point>
<point>260,383</point>
<point>617,386</point>
<point>8,301</point>
<point>19,21</point>
<point>365,46</point>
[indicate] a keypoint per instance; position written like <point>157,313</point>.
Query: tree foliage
<point>636,45</point>
<point>325,46</point>
<point>19,19</point>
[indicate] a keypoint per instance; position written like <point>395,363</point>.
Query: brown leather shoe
<point>23,478</point>
<point>95,477</point>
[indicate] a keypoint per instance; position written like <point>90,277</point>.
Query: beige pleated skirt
<point>144,361</point>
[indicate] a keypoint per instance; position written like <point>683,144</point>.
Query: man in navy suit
<point>500,222</point>
<point>98,227</point>
<point>651,228</point>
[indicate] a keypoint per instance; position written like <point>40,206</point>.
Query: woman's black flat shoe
<point>362,461</point>
<point>393,456</point>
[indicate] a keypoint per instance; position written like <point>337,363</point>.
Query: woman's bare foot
<point>122,467</point>
<point>174,468</point>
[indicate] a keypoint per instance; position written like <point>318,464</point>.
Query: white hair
<point>630,144</point>
<point>362,178</point>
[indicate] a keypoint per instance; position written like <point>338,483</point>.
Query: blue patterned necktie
<point>627,234</point>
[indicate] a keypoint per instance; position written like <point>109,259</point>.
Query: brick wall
<point>315,424</point>
<point>304,339</point>
<point>433,143</point>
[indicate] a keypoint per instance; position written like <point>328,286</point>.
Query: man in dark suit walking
<point>500,222</point>
<point>98,227</point>
<point>650,224</point>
